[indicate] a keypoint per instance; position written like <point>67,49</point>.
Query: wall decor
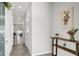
<point>67,17</point>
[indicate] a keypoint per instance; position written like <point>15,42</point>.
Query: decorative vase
<point>72,38</point>
<point>57,35</point>
<point>72,32</point>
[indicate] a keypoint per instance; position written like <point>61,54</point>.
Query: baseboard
<point>37,54</point>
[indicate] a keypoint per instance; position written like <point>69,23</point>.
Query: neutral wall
<point>28,40</point>
<point>56,27</point>
<point>41,28</point>
<point>8,31</point>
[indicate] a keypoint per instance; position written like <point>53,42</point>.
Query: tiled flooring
<point>20,50</point>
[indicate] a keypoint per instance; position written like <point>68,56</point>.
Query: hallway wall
<point>8,31</point>
<point>28,38</point>
<point>41,28</point>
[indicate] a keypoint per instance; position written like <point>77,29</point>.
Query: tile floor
<point>20,50</point>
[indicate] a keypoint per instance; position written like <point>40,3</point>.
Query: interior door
<point>2,26</point>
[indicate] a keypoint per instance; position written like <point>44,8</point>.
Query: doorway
<point>18,34</point>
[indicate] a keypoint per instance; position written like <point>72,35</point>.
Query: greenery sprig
<point>8,5</point>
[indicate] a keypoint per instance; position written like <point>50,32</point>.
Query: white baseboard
<point>41,53</point>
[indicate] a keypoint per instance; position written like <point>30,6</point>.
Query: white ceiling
<point>19,10</point>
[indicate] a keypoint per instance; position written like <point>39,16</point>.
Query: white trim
<point>41,53</point>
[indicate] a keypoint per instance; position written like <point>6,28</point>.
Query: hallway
<point>20,50</point>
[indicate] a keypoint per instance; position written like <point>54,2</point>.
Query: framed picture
<point>67,17</point>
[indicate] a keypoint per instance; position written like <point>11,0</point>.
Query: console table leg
<point>56,46</point>
<point>52,47</point>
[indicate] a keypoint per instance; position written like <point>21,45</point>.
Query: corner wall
<point>27,23</point>
<point>41,28</point>
<point>8,31</point>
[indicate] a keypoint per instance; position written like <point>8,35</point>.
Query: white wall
<point>41,28</point>
<point>56,28</point>
<point>8,31</point>
<point>28,40</point>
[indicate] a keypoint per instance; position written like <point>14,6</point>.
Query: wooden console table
<point>62,47</point>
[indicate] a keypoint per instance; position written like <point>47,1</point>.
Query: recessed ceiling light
<point>19,7</point>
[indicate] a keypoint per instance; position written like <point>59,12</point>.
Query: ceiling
<point>19,10</point>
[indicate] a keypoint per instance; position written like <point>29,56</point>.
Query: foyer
<point>31,27</point>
